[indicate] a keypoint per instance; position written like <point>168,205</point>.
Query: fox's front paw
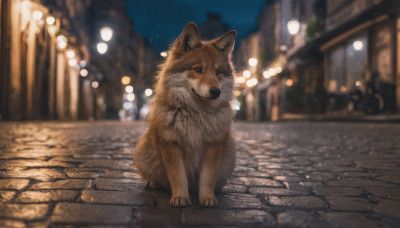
<point>179,201</point>
<point>208,201</point>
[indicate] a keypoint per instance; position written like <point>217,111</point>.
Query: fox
<point>188,145</point>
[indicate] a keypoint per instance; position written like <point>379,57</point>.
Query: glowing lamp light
<point>358,83</point>
<point>72,62</point>
<point>266,74</point>
<point>247,74</point>
<point>343,89</point>
<point>128,105</point>
<point>252,82</point>
<point>237,93</point>
<point>240,80</point>
<point>62,42</point>
<point>358,45</point>
<point>272,71</point>
<point>164,54</point>
<point>37,15</point>
<point>106,33</point>
<point>278,70</point>
<point>148,92</point>
<point>125,80</point>
<point>129,89</point>
<point>84,72</point>
<point>102,47</point>
<point>253,62</point>
<point>289,82</point>
<point>50,20</point>
<point>70,54</point>
<point>130,97</point>
<point>95,84</point>
<point>82,63</point>
<point>293,26</point>
<point>52,30</point>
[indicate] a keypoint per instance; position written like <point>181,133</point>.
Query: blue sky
<point>161,21</point>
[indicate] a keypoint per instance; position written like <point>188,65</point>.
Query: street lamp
<point>240,80</point>
<point>106,33</point>
<point>164,54</point>
<point>358,45</point>
<point>84,72</point>
<point>72,62</point>
<point>125,80</point>
<point>247,74</point>
<point>37,15</point>
<point>252,82</point>
<point>62,42</point>
<point>95,84</point>
<point>253,62</point>
<point>293,26</point>
<point>289,82</point>
<point>102,47</point>
<point>266,74</point>
<point>129,89</point>
<point>50,20</point>
<point>70,54</point>
<point>148,92</point>
<point>130,97</point>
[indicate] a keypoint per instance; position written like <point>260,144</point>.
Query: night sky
<point>161,21</point>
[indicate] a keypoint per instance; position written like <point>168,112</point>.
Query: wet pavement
<point>288,174</point>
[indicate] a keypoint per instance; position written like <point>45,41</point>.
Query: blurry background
<point>96,59</point>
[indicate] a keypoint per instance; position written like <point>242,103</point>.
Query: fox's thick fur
<point>188,144</point>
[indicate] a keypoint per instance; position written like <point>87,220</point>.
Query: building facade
<point>343,60</point>
<point>51,67</point>
<point>363,38</point>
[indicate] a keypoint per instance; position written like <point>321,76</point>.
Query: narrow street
<point>288,174</point>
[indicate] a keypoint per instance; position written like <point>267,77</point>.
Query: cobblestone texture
<point>289,174</point>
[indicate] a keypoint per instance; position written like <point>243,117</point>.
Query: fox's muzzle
<point>215,92</point>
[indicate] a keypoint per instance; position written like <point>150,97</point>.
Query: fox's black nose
<point>215,92</point>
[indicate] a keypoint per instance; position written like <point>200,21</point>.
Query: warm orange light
<point>95,84</point>
<point>343,89</point>
<point>289,82</point>
<point>240,80</point>
<point>247,74</point>
<point>126,80</point>
<point>252,82</point>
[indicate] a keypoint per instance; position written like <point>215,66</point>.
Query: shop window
<point>347,65</point>
<point>336,70</point>
<point>355,62</point>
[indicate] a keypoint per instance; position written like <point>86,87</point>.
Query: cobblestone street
<point>288,174</point>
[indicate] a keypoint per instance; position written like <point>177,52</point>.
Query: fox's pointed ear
<point>189,38</point>
<point>226,42</point>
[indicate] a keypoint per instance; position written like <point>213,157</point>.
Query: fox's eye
<point>197,69</point>
<point>217,72</point>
